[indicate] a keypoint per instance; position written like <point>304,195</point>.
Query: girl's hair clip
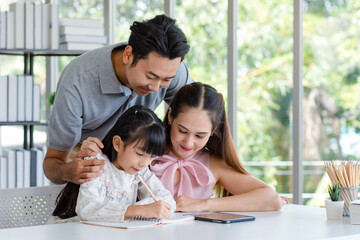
<point>136,111</point>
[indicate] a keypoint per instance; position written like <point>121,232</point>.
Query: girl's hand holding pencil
<point>157,209</point>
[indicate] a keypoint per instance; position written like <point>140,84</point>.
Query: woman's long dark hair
<point>137,124</point>
<point>220,144</point>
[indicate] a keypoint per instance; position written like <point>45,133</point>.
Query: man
<point>98,86</point>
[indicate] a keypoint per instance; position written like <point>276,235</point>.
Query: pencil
<point>147,188</point>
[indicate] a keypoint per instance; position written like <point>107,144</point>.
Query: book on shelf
<point>71,46</point>
<point>19,168</point>
<point>12,98</point>
<point>140,222</point>
<point>36,103</point>
<point>81,30</point>
<point>22,168</point>
<point>37,26</point>
<point>54,26</point>
<point>3,29</point>
<point>3,172</point>
<point>36,169</point>
<point>82,39</point>
<point>29,82</point>
<point>10,33</point>
<point>3,98</point>
<point>45,28</point>
<point>27,163</point>
<point>10,154</point>
<point>29,25</point>
<point>80,22</point>
<point>21,98</point>
<point>18,9</point>
<point>33,163</point>
<point>38,177</point>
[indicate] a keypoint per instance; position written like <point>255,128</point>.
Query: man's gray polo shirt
<point>90,98</point>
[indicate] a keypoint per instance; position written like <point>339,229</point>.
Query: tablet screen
<point>223,217</point>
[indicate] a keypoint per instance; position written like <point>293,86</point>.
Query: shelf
<point>29,55</point>
<point>40,52</point>
<point>28,131</point>
<point>23,124</point>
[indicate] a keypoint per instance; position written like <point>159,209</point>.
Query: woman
<point>201,156</point>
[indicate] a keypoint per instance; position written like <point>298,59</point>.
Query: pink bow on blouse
<point>195,177</point>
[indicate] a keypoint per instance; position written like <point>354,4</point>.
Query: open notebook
<point>139,222</point>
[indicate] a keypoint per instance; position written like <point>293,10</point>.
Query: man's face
<point>151,73</point>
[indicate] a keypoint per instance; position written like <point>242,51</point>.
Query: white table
<point>292,222</point>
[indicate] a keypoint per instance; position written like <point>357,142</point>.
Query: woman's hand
<point>185,204</point>
<point>284,200</point>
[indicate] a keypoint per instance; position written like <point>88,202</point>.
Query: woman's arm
<point>249,193</point>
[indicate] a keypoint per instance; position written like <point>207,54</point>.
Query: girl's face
<point>132,158</point>
<point>189,132</point>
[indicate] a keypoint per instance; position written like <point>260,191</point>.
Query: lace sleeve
<point>157,189</point>
<point>94,205</point>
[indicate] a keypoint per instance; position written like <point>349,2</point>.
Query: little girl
<point>201,155</point>
<point>130,146</point>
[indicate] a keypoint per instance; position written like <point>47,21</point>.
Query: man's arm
<point>59,169</point>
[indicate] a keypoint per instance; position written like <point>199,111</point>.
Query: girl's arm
<point>92,204</point>
<point>156,187</point>
<point>249,193</point>
<point>147,207</point>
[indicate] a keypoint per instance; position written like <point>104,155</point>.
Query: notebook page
<point>139,222</point>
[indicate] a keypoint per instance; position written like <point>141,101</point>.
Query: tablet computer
<point>219,217</point>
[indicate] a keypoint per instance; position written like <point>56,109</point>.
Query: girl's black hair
<point>137,124</point>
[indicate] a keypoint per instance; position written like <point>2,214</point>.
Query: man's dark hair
<point>159,35</point>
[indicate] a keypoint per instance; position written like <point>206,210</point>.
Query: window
<point>331,86</point>
<point>265,43</point>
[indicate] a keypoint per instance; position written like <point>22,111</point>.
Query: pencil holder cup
<point>348,194</point>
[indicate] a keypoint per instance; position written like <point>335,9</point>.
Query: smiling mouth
<point>145,91</point>
<point>184,148</point>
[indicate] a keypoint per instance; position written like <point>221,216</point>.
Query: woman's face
<point>189,132</point>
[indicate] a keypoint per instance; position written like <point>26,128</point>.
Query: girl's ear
<point>169,116</point>
<point>127,55</point>
<point>117,143</point>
